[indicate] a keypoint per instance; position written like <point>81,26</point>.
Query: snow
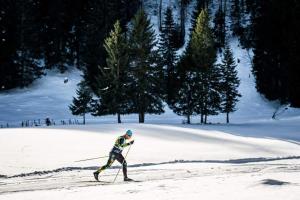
<point>253,157</point>
<point>206,186</point>
<point>170,161</point>
<point>27,146</point>
<point>47,97</point>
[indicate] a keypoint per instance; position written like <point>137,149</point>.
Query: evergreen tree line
<point>235,12</point>
<point>270,28</point>
<point>206,88</point>
<point>131,81</point>
<point>138,77</point>
<point>275,27</point>
<point>55,34</point>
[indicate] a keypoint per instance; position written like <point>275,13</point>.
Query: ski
<point>117,183</point>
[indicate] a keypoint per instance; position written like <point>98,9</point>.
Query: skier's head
<point>129,133</point>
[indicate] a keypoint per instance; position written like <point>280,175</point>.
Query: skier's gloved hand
<point>131,142</point>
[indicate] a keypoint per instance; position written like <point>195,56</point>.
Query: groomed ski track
<point>69,178</point>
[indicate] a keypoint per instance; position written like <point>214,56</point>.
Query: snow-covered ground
<point>167,161</point>
<point>254,157</point>
<point>46,97</point>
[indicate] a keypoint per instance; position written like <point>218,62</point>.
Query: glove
<point>131,142</point>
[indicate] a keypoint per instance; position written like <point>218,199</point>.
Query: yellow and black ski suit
<point>116,154</point>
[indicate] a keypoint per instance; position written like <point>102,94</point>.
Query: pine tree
<point>19,43</point>
<point>214,99</point>
<point>219,24</point>
<point>293,45</point>
<point>7,45</point>
<point>275,58</point>
<point>203,54</point>
<point>202,44</point>
<point>168,52</point>
<point>54,34</point>
<point>200,5</point>
<point>236,17</point>
<point>181,28</point>
<point>99,18</point>
<point>82,104</point>
<point>113,83</point>
<point>199,77</point>
<point>230,83</point>
<point>250,8</point>
<point>75,11</point>
<point>159,15</point>
<point>269,62</point>
<point>57,33</point>
<point>185,103</point>
<point>146,90</point>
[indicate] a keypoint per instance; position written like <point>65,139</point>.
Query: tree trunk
<point>182,20</point>
<point>189,119</point>
<point>77,46</point>
<point>205,119</point>
<point>225,10</point>
<point>159,15</point>
<point>83,118</point>
<point>141,4</point>
<point>201,118</point>
<point>23,71</point>
<point>119,118</point>
<point>141,117</point>
<point>227,118</point>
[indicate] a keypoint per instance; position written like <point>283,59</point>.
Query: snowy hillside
<point>50,96</point>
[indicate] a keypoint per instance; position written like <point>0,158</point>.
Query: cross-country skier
<point>116,154</point>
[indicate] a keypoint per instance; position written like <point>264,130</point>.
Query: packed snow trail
<point>233,161</point>
<point>155,174</point>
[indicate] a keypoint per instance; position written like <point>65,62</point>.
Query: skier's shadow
<point>96,182</point>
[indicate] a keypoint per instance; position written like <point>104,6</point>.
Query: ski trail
<point>182,171</point>
<point>231,161</point>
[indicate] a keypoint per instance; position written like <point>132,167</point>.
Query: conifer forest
<point>131,65</point>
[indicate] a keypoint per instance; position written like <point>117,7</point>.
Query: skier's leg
<point>121,160</point>
<point>110,161</point>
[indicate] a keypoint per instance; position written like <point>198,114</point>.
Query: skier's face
<point>127,136</point>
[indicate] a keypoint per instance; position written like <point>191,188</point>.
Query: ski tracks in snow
<point>76,177</point>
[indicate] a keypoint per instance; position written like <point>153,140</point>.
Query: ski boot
<point>127,179</point>
<point>96,173</point>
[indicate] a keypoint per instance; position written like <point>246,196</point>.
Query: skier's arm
<point>124,144</point>
<point>131,142</point>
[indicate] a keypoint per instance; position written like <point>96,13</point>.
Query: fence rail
<point>39,122</point>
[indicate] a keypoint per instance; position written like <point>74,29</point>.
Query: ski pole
<point>91,159</point>
<point>122,163</point>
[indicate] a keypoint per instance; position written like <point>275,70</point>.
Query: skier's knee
<point>109,164</point>
<point>124,163</point>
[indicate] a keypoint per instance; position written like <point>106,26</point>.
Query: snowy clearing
<point>168,161</point>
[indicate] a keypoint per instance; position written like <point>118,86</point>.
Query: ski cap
<point>129,133</point>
